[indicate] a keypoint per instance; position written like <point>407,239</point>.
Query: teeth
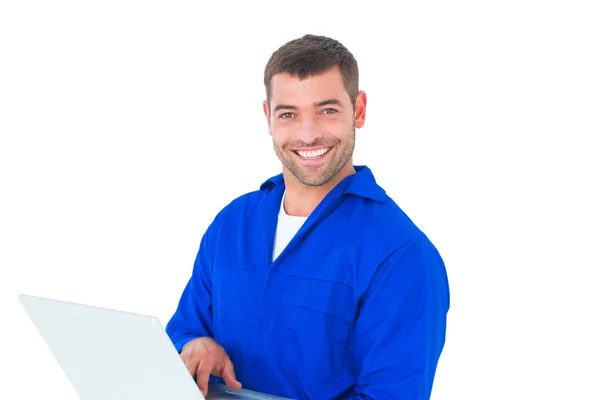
<point>312,154</point>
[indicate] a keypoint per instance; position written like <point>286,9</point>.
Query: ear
<point>267,114</point>
<point>360,110</point>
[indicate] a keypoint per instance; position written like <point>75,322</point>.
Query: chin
<point>313,182</point>
<point>314,179</point>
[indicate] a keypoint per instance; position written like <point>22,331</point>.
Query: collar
<point>362,184</point>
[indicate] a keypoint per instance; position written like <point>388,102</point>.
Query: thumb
<point>229,377</point>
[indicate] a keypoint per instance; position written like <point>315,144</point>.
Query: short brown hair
<point>313,55</point>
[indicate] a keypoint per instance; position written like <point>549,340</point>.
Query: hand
<point>203,357</point>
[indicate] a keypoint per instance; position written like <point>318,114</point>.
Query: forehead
<point>289,89</point>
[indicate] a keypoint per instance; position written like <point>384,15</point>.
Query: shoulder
<point>386,221</point>
<point>249,202</point>
<point>389,233</point>
<point>404,245</point>
<point>255,197</point>
<point>371,206</point>
<point>388,213</point>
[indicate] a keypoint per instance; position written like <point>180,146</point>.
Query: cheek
<point>339,129</point>
<point>278,139</point>
<point>282,132</point>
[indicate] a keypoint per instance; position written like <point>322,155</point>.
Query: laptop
<point>117,355</point>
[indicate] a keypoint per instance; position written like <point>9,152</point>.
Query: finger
<point>229,376</point>
<point>191,363</point>
<point>202,376</point>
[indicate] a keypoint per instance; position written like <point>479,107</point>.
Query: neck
<point>301,200</point>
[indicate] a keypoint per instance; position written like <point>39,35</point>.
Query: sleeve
<point>193,315</point>
<point>401,326</point>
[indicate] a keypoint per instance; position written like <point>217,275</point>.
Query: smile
<point>312,154</point>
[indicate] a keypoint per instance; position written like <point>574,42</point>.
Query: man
<point>316,285</point>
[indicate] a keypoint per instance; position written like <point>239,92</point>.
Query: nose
<point>309,131</point>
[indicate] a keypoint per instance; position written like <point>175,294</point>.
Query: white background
<point>126,125</point>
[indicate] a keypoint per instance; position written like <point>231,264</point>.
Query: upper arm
<point>400,330</point>
<point>193,315</point>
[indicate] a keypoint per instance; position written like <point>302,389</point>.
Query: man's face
<point>313,125</point>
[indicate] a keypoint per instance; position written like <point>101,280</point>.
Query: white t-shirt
<point>287,227</point>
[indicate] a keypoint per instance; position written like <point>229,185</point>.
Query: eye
<point>286,115</point>
<point>329,111</point>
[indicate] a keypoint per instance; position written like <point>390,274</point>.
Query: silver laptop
<point>116,355</point>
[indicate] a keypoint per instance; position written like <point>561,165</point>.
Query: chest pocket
<point>317,326</point>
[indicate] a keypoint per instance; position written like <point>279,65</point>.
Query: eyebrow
<point>319,104</point>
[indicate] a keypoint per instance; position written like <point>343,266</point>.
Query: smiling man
<point>316,285</point>
<point>312,121</point>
